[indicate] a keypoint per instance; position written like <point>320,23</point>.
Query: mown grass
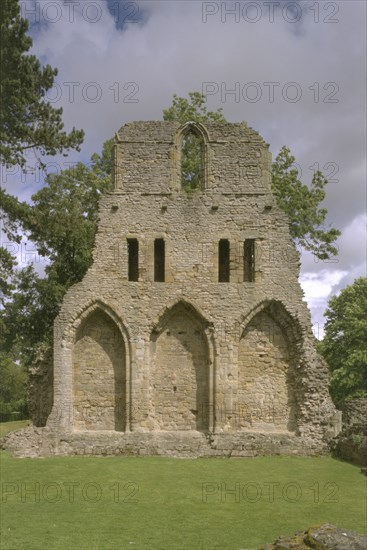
<point>6,427</point>
<point>161,503</point>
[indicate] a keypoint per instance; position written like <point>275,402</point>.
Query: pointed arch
<point>93,377</point>
<point>194,126</point>
<point>90,307</point>
<point>184,306</point>
<point>277,311</point>
<point>268,357</point>
<point>192,156</point>
<point>182,370</point>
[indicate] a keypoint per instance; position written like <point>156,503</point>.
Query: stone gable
<point>191,319</point>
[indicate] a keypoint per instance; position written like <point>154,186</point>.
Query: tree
<point>28,316</point>
<point>62,223</point>
<point>184,110</point>
<point>63,220</point>
<point>7,264</point>
<point>345,343</point>
<point>27,119</point>
<point>12,388</point>
<point>301,204</point>
<point>297,200</point>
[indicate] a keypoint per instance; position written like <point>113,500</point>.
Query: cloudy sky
<point>295,71</point>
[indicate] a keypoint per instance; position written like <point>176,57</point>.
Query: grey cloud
<point>173,51</point>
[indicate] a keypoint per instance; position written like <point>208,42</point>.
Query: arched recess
<point>182,371</point>
<point>193,159</point>
<point>268,355</point>
<point>99,371</point>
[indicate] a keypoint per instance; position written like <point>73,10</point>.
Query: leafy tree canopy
<point>27,119</point>
<point>300,202</point>
<point>302,205</point>
<point>184,110</point>
<point>61,222</point>
<point>12,387</point>
<point>345,343</point>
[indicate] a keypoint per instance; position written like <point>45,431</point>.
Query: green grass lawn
<point>160,503</point>
<point>6,427</point>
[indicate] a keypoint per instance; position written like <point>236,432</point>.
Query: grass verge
<point>6,427</point>
<point>161,503</point>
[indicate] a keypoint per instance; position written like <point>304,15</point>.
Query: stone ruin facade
<point>189,334</point>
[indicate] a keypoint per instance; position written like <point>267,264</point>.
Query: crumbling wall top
<point>148,157</point>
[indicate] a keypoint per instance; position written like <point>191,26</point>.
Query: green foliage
<point>27,119</point>
<point>12,386</point>
<point>7,264</point>
<point>191,162</point>
<point>64,217</point>
<point>184,110</point>
<point>345,343</point>
<point>301,204</point>
<point>28,316</point>
<point>62,222</point>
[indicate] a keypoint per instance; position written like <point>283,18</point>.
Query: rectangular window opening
<point>249,261</point>
<point>159,260</point>
<point>223,261</point>
<point>133,258</point>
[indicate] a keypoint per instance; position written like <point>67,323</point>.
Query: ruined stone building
<point>189,334</point>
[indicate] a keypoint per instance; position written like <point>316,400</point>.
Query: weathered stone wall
<point>266,364</point>
<point>35,442</point>
<point>179,396</point>
<point>354,412</point>
<point>192,354</point>
<point>40,387</point>
<point>99,370</point>
<point>351,443</point>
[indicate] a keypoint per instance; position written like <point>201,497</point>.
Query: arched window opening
<point>192,168</point>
